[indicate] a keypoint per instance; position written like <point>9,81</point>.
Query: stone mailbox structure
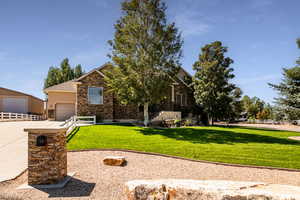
<point>47,156</point>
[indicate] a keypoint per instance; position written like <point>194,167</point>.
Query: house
<point>17,102</point>
<point>89,96</point>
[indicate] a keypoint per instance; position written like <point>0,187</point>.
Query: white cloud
<point>190,23</point>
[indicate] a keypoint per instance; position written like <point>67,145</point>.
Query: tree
<point>212,81</point>
<point>289,91</point>
<point>253,106</point>
<point>145,53</point>
<point>53,77</point>
<point>65,72</point>
<point>78,71</point>
<point>236,106</point>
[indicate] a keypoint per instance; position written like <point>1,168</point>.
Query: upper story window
<point>95,95</point>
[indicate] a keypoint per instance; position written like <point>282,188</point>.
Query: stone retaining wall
<point>208,190</point>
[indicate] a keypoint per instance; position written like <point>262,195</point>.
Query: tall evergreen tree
<point>78,71</point>
<point>53,77</point>
<point>146,50</point>
<point>289,91</point>
<point>211,81</point>
<point>65,72</point>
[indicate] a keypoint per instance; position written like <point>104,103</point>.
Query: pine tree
<point>213,90</point>
<point>145,53</point>
<point>78,71</point>
<point>289,91</point>
<point>65,72</point>
<point>53,77</point>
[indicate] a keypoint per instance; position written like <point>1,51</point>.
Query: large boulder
<point>208,190</point>
<point>114,160</point>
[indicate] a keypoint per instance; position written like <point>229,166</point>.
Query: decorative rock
<point>208,190</point>
<point>114,160</point>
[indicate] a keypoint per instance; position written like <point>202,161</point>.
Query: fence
<point>77,121</point>
<point>4,116</point>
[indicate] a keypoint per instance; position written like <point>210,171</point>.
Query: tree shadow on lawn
<point>203,136</point>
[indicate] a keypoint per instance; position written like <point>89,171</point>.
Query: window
<point>181,99</point>
<point>95,95</point>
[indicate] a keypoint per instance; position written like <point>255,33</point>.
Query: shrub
<point>177,122</point>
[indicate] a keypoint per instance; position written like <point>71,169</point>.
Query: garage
<point>64,111</point>
<point>15,104</point>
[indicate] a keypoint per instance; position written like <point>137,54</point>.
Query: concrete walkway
<point>13,146</point>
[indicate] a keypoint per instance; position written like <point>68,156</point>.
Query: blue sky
<point>37,34</point>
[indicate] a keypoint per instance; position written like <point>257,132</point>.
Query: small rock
<point>114,160</point>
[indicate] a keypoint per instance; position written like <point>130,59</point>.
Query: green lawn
<point>228,145</point>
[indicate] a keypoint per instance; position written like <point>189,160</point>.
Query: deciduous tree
<point>145,53</point>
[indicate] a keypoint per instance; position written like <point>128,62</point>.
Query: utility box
<point>47,156</point>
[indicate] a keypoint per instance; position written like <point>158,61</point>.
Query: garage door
<point>15,105</point>
<point>64,111</point>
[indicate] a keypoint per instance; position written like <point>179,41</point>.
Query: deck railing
<point>5,116</point>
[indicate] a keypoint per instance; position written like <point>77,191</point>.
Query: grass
<point>251,146</point>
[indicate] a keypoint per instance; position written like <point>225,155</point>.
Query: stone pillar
<point>47,156</point>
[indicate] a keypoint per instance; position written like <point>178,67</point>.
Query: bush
<point>188,122</point>
<point>177,122</point>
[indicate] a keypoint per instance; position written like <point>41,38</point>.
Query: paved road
<point>13,146</point>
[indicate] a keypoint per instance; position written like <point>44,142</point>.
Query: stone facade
<point>47,164</point>
<point>104,111</point>
<point>112,110</point>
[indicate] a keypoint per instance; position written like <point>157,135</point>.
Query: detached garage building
<point>17,102</point>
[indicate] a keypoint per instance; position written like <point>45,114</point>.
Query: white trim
<point>173,93</point>
<point>94,70</point>
<point>100,73</point>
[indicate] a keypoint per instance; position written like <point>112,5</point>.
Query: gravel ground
<point>271,126</point>
<point>93,180</point>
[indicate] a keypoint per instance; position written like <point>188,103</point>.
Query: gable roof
<point>69,86</point>
<point>20,93</point>
<point>98,70</point>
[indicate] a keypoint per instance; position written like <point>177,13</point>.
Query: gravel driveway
<point>93,180</point>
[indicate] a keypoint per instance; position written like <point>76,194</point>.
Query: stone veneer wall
<point>47,164</point>
<point>104,111</point>
<point>130,111</point>
<point>112,110</point>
